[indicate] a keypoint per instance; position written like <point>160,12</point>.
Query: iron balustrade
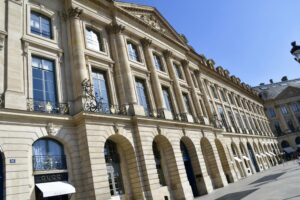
<point>47,107</point>
<point>48,162</point>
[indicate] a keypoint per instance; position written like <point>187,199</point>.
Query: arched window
<point>113,166</point>
<point>159,169</point>
<point>48,154</point>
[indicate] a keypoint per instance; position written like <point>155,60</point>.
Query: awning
<point>289,149</point>
<point>56,188</point>
<point>237,159</point>
<point>246,158</point>
<point>257,155</point>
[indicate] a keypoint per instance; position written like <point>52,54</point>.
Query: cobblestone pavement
<point>281,182</point>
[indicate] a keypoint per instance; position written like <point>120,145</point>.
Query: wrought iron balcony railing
<point>42,163</point>
<point>47,107</point>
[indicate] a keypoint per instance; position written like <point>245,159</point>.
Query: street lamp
<point>295,51</point>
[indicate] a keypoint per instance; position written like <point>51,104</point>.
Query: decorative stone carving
<point>152,20</point>
<point>51,130</point>
<point>75,12</point>
<point>115,28</point>
<point>146,42</point>
<point>167,53</point>
<point>116,128</point>
<point>185,62</point>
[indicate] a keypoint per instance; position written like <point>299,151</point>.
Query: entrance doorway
<point>252,157</point>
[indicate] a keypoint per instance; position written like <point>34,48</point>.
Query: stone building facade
<point>282,101</point>
<point>105,100</point>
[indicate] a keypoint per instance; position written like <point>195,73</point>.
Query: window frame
<point>138,51</point>
<point>162,68</point>
<point>100,35</point>
<point>178,70</point>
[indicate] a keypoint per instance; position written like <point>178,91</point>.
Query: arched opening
<point>284,144</point>
<point>211,164</point>
<point>245,158</point>
<point>252,157</point>
<point>224,161</point>
<point>50,169</point>
<point>165,164</point>
<point>258,156</point>
<point>238,160</point>
<point>121,166</point>
<point>263,156</point>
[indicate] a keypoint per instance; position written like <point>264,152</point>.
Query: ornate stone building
<point>281,101</point>
<point>105,100</point>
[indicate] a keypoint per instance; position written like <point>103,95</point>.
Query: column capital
<point>185,62</point>
<point>115,28</point>
<point>167,53</point>
<point>146,42</point>
<point>75,12</point>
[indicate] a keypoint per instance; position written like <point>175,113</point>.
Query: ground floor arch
<point>211,164</point>
<point>252,157</point>
<point>237,159</point>
<point>224,161</point>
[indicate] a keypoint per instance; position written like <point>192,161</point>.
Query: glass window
<point>194,79</point>
<point>223,95</point>
<point>133,52</point>
<point>187,103</point>
<point>295,107</point>
<point>271,112</point>
<point>237,101</point>
<point>246,122</point>
<point>48,155</point>
<point>167,99</point>
<point>290,125</point>
<point>277,128</point>
<point>142,96</point>
<point>100,90</point>
<point>223,118</point>
<point>283,109</point>
<point>230,99</point>
<point>40,25</point>
<point>94,40</point>
<point>214,92</point>
<point>44,87</point>
<point>239,119</point>
<point>158,62</point>
<point>157,157</point>
<point>231,118</point>
<point>178,71</point>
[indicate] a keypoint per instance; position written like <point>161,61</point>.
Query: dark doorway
<point>252,157</point>
<point>189,168</point>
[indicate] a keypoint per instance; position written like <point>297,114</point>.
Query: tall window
<point>44,87</point>
<point>194,79</point>
<point>223,118</point>
<point>239,119</point>
<point>246,122</point>
<point>159,169</point>
<point>94,40</point>
<point>231,99</point>
<point>167,99</point>
<point>142,96</point>
<point>158,62</point>
<point>100,90</point>
<point>40,25</point>
<point>238,102</point>
<point>48,154</point>
<point>187,103</point>
<point>223,95</point>
<point>284,109</point>
<point>178,71</point>
<point>133,52</point>
<point>290,125</point>
<point>113,167</point>
<point>214,92</point>
<point>231,118</point>
<point>271,112</point>
<point>295,107</point>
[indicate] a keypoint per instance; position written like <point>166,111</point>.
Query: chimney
<point>271,81</point>
<point>284,78</point>
<point>262,84</point>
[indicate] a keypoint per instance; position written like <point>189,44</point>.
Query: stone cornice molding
<point>75,12</point>
<point>115,28</point>
<point>146,42</point>
<point>167,53</point>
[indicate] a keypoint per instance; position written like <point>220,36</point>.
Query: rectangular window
<point>94,40</point>
<point>231,99</point>
<point>167,99</point>
<point>40,25</point>
<point>100,91</point>
<point>223,96</point>
<point>214,92</point>
<point>158,62</point>
<point>283,109</point>
<point>133,52</point>
<point>178,71</point>
<point>271,112</point>
<point>187,103</point>
<point>43,78</point>
<point>223,118</point>
<point>231,118</point>
<point>194,80</point>
<point>239,119</point>
<point>142,95</point>
<point>295,107</point>
<point>246,122</point>
<point>238,102</point>
<point>277,128</point>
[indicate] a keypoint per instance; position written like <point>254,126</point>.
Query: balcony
<point>47,107</point>
<point>45,163</point>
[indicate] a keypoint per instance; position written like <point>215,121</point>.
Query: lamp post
<point>295,51</point>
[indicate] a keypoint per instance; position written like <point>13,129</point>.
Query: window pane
<point>40,25</point>
<point>167,99</point>
<point>142,97</point>
<point>187,103</point>
<point>93,40</point>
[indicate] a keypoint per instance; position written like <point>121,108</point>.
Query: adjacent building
<point>282,106</point>
<point>105,100</point>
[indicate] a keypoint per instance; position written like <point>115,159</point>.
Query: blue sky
<point>250,38</point>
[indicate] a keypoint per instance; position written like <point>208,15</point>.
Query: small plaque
<point>12,161</point>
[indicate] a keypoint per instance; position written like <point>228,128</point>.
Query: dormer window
<point>40,25</point>
<point>94,40</point>
<point>133,52</point>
